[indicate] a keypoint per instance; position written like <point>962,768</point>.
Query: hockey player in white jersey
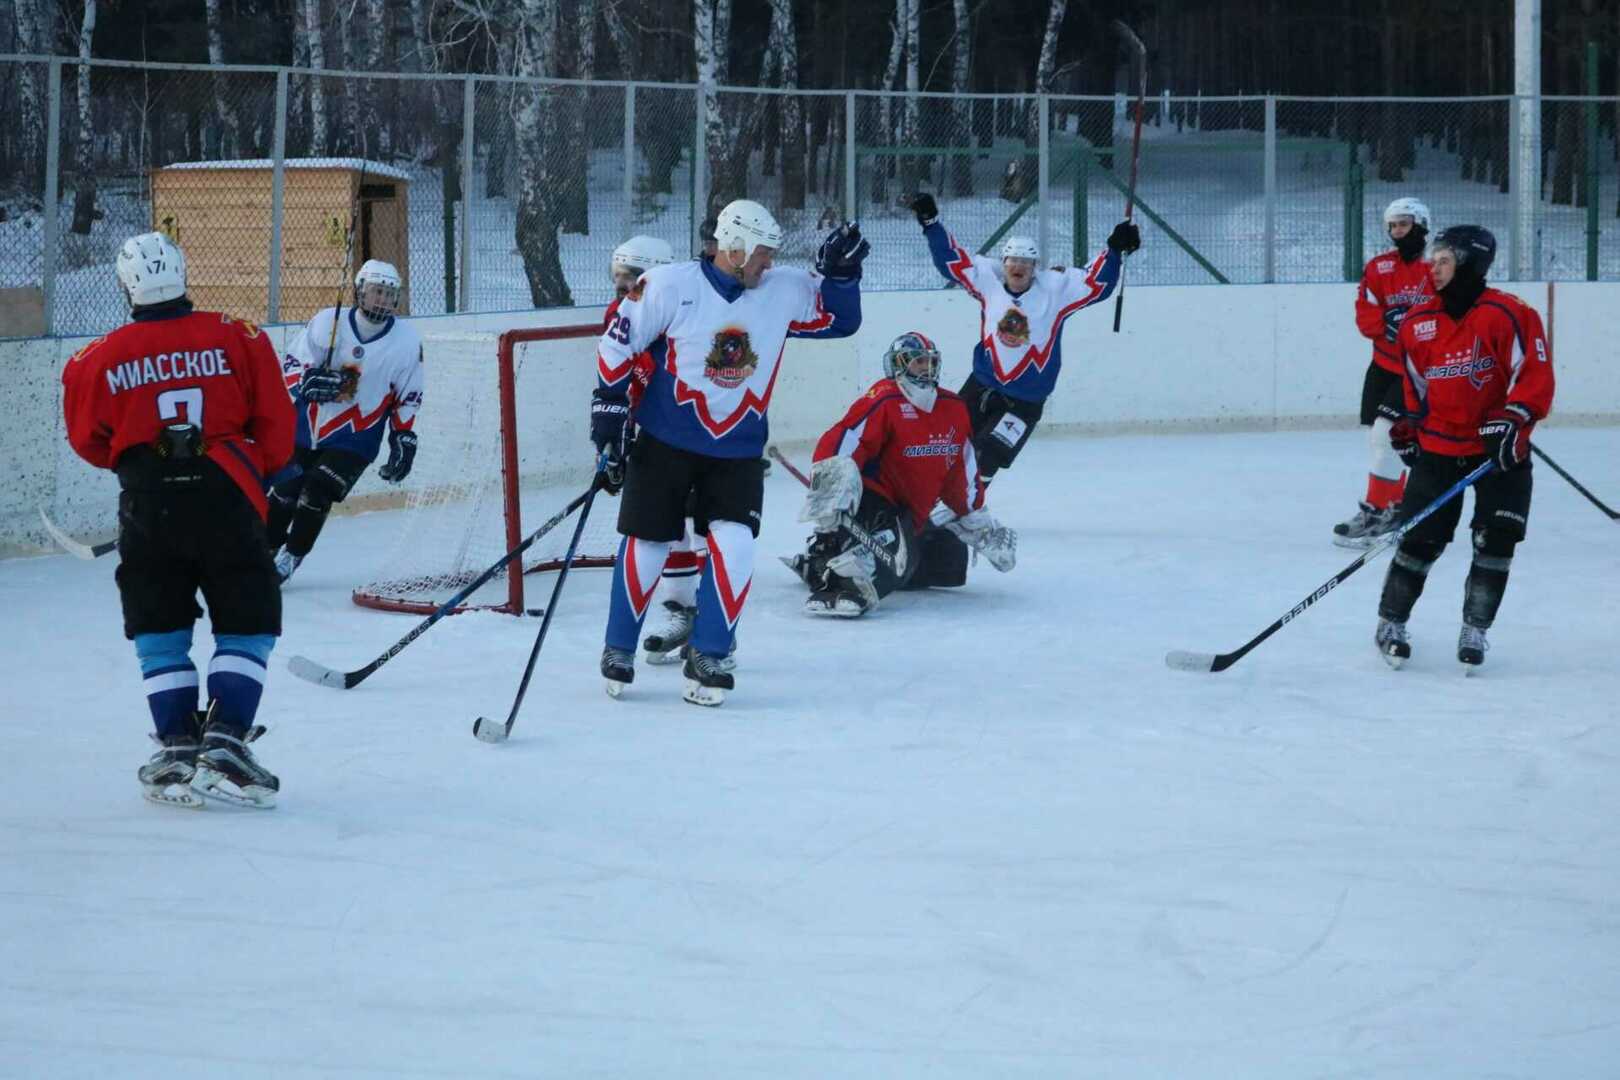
<point>353,373</point>
<point>708,338</point>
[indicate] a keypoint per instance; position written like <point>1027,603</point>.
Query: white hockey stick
<point>77,548</point>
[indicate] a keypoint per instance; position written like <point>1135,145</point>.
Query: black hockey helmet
<point>1473,246</point>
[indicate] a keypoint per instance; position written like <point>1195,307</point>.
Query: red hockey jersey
<point>1459,371</point>
<point>1389,282</point>
<point>203,368</point>
<point>910,457</point>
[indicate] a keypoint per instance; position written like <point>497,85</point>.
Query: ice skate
<point>1471,647</point>
<point>286,563</point>
<point>618,670</point>
<point>1368,524</point>
<point>706,683</point>
<point>1392,643</point>
<point>228,771</point>
<point>166,778</point>
<point>664,645</point>
<point>840,603</point>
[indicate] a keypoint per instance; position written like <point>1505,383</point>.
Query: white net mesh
<point>459,513</point>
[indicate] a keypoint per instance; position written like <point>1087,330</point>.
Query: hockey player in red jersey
<point>1478,376</point>
<point>901,463</point>
<point>187,407</point>
<point>1391,285</point>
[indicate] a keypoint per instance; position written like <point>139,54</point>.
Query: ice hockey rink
<point>983,832</point>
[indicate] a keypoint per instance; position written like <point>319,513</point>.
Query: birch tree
<point>376,46</point>
<point>704,22</point>
<point>962,108</point>
<point>317,91</point>
<point>577,101</point>
<point>84,194</point>
<point>784,47</point>
<point>908,127</point>
<point>30,103</point>
<point>358,137</point>
<point>891,70</point>
<point>230,136</point>
<point>535,129</point>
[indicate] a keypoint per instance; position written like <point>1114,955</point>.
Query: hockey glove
<point>320,384</point>
<point>835,487</point>
<point>841,253</point>
<point>988,537</point>
<point>926,209</point>
<point>401,455</point>
<point>610,433</point>
<point>1125,238</point>
<point>1403,439</point>
<point>1392,322</point>
<point>1506,433</point>
<point>1391,412</point>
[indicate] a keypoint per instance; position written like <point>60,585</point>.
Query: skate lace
<point>1472,637</point>
<point>1389,631</point>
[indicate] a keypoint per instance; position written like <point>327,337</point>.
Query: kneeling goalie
<point>895,492</point>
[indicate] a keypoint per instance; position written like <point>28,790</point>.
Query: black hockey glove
<point>1506,433</point>
<point>1403,439</point>
<point>1125,238</point>
<point>401,455</point>
<point>926,209</point>
<point>841,253</point>
<point>321,384</point>
<point>1392,322</point>
<point>1391,412</point>
<point>610,433</point>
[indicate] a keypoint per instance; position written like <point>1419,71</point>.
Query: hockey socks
<point>723,589</point>
<point>236,676</point>
<point>1383,492</point>
<point>170,680</point>
<point>636,573</point>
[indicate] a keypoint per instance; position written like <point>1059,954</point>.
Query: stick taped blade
<point>310,671</point>
<point>489,731</point>
<point>1191,661</point>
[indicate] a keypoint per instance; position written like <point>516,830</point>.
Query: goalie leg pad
<point>942,561</point>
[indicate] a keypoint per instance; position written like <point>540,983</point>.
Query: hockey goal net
<point>505,430</point>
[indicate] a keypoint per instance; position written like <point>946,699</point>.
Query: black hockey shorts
<point>1001,425</point>
<point>206,536</point>
<point>1378,387</point>
<point>1501,500</point>
<point>659,479</point>
<point>327,476</point>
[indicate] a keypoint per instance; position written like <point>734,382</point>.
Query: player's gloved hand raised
<point>1403,439</point>
<point>841,253</point>
<point>1392,322</point>
<point>320,384</point>
<point>926,209</point>
<point>401,455</point>
<point>1125,238</point>
<point>610,434</point>
<point>1506,433</point>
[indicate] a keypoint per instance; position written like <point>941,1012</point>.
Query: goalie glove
<point>988,537</point>
<point>835,486</point>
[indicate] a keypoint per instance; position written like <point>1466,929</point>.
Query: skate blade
<point>834,612</point>
<point>662,659</point>
<point>698,694</point>
<point>1469,670</point>
<point>1355,543</point>
<point>177,795</point>
<point>1395,662</point>
<point>614,688</point>
<point>215,786</point>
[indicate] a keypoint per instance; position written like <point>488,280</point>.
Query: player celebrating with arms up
<point>1023,309</point>
<point>1478,376</point>
<point>904,446</point>
<point>715,332</point>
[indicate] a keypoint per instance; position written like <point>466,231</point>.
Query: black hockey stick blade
<point>1182,660</point>
<point>78,548</point>
<point>1613,515</point>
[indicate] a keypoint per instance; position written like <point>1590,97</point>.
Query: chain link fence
<point>495,193</point>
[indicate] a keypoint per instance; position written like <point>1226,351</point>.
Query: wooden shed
<point>219,212</point>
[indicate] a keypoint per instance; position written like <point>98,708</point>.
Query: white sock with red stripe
<point>723,589</point>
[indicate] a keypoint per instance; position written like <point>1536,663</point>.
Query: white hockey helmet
<point>1020,247</point>
<point>152,269</point>
<point>1406,206</point>
<point>745,225</point>
<point>376,289</point>
<point>642,253</point>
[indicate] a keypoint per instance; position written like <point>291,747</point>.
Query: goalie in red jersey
<point>895,492</point>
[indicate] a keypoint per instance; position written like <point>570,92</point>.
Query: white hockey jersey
<point>706,351</point>
<point>383,383</point>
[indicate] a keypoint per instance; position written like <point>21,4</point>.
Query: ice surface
<point>982,833</point>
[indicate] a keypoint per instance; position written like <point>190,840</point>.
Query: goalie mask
<point>376,290</point>
<point>913,358</point>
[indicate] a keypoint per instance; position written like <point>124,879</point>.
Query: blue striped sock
<point>236,676</point>
<point>169,678</point>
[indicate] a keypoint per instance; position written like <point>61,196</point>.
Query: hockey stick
<point>1140,50</point>
<point>483,727</point>
<point>310,671</point>
<point>897,562</point>
<point>1191,661</point>
<point>1574,483</point>
<point>80,550</point>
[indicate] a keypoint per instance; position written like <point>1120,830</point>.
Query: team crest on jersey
<point>1425,329</point>
<point>1385,266</point>
<point>351,382</point>
<point>731,358</point>
<point>1013,329</point>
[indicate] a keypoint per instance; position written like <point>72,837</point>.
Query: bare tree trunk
<point>1393,139</point>
<point>538,214</point>
<point>498,160</point>
<point>376,40</point>
<point>728,161</point>
<point>910,165</point>
<point>962,108</point>
<point>785,47</point>
<point>722,41</point>
<point>84,194</point>
<point>30,101</point>
<point>230,142</point>
<point>317,91</point>
<point>576,147</point>
<point>359,138</point>
<point>883,166</point>
<point>623,43</point>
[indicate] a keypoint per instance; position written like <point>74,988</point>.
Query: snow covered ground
<point>985,832</point>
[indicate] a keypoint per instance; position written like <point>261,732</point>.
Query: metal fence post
<point>469,120</point>
<point>1080,245</point>
<point>278,194</point>
<point>849,155</point>
<point>53,166</point>
<point>629,169</point>
<point>1591,177</point>
<point>1271,189</point>
<point>1527,108</point>
<point>1043,162</point>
